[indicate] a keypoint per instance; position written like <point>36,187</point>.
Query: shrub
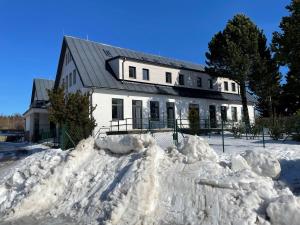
<point>72,112</point>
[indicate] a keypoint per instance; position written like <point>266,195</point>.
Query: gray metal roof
<point>39,89</point>
<point>91,58</point>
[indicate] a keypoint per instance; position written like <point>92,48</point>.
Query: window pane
<point>67,81</point>
<point>117,109</point>
<point>233,87</point>
<point>226,85</point>
<point>168,77</point>
<point>145,74</point>
<point>154,110</point>
<point>74,76</point>
<point>181,79</point>
<point>132,72</point>
<point>224,113</point>
<point>199,82</point>
<point>210,83</point>
<point>70,79</point>
<point>234,113</point>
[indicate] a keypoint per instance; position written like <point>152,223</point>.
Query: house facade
<point>36,117</point>
<point>134,90</point>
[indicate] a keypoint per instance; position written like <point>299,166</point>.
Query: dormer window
<point>233,88</point>
<point>145,74</point>
<point>181,79</point>
<point>199,82</point>
<point>132,72</point>
<point>210,84</point>
<point>225,85</point>
<point>168,77</point>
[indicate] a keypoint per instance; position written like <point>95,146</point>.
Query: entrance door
<point>170,114</point>
<point>212,116</point>
<point>137,118</point>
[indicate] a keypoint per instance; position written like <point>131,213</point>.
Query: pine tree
<point>73,113</point>
<point>265,80</point>
<point>286,45</point>
<point>233,53</point>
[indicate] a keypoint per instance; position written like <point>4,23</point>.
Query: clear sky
<point>31,32</point>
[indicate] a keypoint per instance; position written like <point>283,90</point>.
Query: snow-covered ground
<point>141,180</point>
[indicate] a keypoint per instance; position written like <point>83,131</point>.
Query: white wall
<point>157,75</point>
<point>68,69</point>
<point>103,100</point>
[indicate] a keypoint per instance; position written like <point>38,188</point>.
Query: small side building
<point>36,117</point>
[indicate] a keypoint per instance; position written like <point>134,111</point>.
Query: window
<point>70,80</point>
<point>242,114</point>
<point>210,84</point>
<point>199,82</point>
<point>74,76</point>
<point>181,79</point>
<point>168,77</point>
<point>63,82</point>
<point>117,109</point>
<point>154,110</point>
<point>233,87</point>
<point>224,113</point>
<point>225,85</point>
<point>67,82</point>
<point>67,58</point>
<point>132,72</point>
<point>234,114</point>
<point>145,74</point>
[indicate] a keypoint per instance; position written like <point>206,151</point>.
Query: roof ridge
<point>137,51</point>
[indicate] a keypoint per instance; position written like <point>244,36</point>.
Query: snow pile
<point>123,144</point>
<point>263,164</point>
<point>284,210</point>
<point>239,163</point>
<point>142,184</point>
<point>197,149</point>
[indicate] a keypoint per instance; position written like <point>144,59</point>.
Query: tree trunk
<point>244,104</point>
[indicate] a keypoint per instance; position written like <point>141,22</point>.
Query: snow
<point>123,144</point>
<point>263,163</point>
<point>284,210</point>
<point>239,163</point>
<point>197,149</point>
<point>133,180</point>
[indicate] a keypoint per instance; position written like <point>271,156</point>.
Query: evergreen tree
<point>265,80</point>
<point>233,53</point>
<point>72,112</point>
<point>286,45</point>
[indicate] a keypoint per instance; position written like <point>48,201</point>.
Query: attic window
<point>144,58</point>
<point>107,53</point>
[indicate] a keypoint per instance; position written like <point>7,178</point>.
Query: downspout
<point>91,105</point>
<point>124,59</point>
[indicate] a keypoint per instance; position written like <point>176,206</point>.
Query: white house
<point>36,117</point>
<point>131,88</point>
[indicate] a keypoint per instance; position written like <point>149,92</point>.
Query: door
<point>170,114</point>
<point>194,120</point>
<point>212,116</point>
<point>137,118</point>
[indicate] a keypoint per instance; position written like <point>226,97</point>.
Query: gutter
<point>124,59</point>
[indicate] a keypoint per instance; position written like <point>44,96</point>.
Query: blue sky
<point>31,32</point>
